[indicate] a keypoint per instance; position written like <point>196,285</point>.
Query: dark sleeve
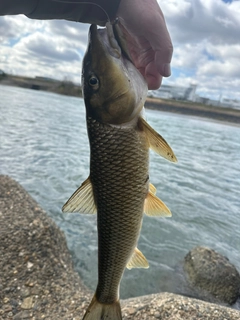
<point>89,11</point>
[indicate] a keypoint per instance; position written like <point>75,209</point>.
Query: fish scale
<point>120,209</point>
<point>117,188</point>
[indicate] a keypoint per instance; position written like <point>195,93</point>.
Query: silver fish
<point>118,187</point>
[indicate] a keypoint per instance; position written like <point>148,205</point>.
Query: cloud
<point>75,32</point>
<point>205,36</point>
<point>46,48</point>
<point>198,20</point>
<point>206,42</point>
<point>15,27</point>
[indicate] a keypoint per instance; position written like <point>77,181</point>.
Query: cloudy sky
<point>205,35</point>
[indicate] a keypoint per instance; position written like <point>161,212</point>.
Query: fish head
<point>114,90</point>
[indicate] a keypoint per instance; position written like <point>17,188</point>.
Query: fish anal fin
<point>82,199</point>
<point>157,142</point>
<point>152,189</point>
<point>137,260</point>
<point>154,207</point>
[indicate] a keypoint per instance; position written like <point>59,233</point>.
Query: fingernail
<point>167,70</point>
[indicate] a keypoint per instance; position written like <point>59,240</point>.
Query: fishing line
<point>91,3</point>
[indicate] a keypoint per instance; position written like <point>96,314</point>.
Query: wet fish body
<point>118,186</point>
<point>120,197</point>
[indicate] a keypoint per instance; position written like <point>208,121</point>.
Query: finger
<point>154,82</point>
<point>158,36</point>
<point>152,76</point>
<point>162,62</point>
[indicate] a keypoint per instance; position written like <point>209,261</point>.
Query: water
<point>44,146</point>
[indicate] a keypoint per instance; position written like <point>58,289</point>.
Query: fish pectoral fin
<point>82,200</point>
<point>137,260</point>
<point>158,143</point>
<point>152,189</point>
<point>154,207</point>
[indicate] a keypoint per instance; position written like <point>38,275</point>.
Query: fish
<point>118,187</point>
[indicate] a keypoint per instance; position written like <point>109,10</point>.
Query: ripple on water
<point>44,146</point>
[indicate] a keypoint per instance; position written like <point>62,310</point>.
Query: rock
<point>169,306</point>
<point>38,281</point>
<point>27,303</point>
<point>36,272</point>
<point>212,273</point>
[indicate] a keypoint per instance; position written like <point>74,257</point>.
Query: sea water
<point>44,146</point>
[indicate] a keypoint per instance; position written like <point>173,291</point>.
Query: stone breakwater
<point>37,279</point>
<point>211,276</point>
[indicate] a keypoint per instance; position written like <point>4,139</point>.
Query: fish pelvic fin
<point>100,311</point>
<point>157,142</point>
<point>154,207</point>
<point>137,260</point>
<point>82,199</point>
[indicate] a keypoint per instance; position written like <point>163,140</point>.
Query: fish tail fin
<point>100,311</point>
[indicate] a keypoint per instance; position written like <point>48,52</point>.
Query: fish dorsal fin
<point>137,260</point>
<point>154,207</point>
<point>152,189</point>
<point>82,200</point>
<point>158,143</point>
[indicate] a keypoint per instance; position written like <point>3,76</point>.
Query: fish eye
<point>93,81</point>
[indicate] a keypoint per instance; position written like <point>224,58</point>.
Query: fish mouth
<point>110,39</point>
<point>105,39</point>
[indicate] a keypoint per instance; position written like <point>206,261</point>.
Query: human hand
<point>147,38</point>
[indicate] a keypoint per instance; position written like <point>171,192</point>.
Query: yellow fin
<point>154,207</point>
<point>137,260</point>
<point>158,143</point>
<point>97,310</point>
<point>82,200</point>
<point>152,189</point>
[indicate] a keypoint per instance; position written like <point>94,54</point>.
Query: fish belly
<point>119,175</point>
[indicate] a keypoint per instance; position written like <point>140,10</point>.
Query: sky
<point>205,36</point>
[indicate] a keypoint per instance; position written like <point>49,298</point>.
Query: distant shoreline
<point>64,87</point>
<point>179,107</point>
<point>194,109</point>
